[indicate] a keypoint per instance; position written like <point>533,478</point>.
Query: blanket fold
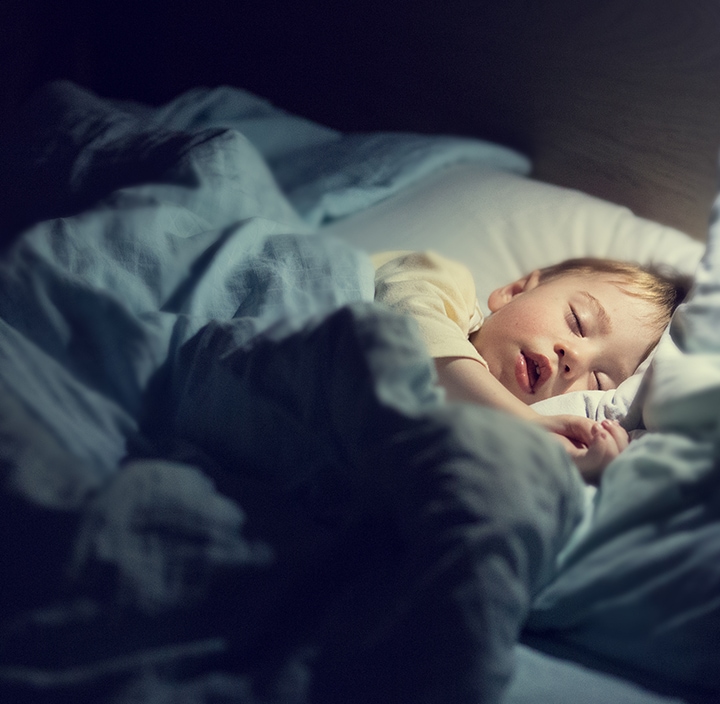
<point>227,475</point>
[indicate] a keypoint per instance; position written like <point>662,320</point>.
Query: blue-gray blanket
<point>227,475</point>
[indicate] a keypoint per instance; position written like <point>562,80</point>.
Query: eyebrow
<point>600,313</point>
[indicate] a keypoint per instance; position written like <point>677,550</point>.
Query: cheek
<point>512,321</point>
<point>495,341</point>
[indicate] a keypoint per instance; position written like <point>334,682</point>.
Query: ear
<point>500,296</point>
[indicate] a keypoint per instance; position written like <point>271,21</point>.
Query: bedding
<point>225,472</point>
<point>229,476</point>
<point>637,587</point>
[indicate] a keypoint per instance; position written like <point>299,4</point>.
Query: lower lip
<point>521,374</point>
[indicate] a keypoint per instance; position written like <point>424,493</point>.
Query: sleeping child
<point>578,325</point>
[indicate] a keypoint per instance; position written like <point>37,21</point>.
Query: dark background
<point>354,65</point>
<point>618,98</point>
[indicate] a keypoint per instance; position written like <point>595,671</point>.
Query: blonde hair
<point>663,287</point>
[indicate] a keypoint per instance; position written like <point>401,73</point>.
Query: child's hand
<point>591,445</point>
<point>609,440</point>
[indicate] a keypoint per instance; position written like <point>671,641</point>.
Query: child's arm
<point>592,445</point>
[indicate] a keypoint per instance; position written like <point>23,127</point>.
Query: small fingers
<point>580,429</point>
<point>591,444</point>
<point>618,433</point>
<point>609,440</point>
<point>572,447</point>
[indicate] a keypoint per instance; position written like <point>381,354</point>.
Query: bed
<point>229,476</point>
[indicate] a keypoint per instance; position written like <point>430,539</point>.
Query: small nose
<point>567,360</point>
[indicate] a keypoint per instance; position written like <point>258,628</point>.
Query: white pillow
<point>502,225</point>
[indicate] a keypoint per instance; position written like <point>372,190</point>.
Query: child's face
<point>571,333</point>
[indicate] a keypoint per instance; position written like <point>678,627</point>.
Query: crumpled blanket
<point>335,536</point>
<point>227,475</point>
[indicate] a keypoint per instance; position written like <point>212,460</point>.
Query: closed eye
<point>575,323</point>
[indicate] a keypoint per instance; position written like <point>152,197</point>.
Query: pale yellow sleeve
<point>438,292</point>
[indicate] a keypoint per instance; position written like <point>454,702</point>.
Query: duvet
<point>227,474</point>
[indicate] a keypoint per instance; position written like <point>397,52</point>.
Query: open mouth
<point>533,371</point>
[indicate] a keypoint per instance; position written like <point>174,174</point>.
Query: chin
<point>524,397</point>
<point>527,398</point>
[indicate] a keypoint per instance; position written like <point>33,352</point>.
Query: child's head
<point>581,324</point>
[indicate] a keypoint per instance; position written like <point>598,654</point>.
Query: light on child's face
<point>572,333</point>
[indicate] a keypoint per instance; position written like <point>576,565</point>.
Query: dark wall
<point>355,65</point>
